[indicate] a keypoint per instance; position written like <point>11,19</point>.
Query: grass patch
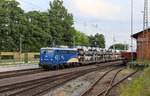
<point>140,86</point>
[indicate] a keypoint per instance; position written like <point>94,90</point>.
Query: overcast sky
<point>110,17</point>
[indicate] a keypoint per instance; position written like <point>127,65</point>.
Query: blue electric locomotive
<point>54,57</point>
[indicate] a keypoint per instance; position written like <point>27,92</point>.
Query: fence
<point>13,58</point>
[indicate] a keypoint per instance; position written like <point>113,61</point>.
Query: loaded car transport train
<point>54,58</point>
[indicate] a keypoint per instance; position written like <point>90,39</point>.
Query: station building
<point>143,44</point>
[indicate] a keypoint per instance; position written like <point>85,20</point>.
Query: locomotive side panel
<point>57,57</point>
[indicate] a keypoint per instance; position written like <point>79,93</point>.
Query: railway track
<point>15,73</point>
<point>40,86</point>
<point>92,90</point>
<point>106,92</point>
<point>97,90</point>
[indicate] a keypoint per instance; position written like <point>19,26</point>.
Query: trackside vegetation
<point>140,86</point>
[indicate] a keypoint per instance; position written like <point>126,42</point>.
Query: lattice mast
<point>145,25</point>
<point>145,28</point>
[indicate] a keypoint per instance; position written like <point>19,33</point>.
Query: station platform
<point>18,67</point>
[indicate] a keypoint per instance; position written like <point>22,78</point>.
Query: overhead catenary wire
<point>86,24</point>
<point>94,25</point>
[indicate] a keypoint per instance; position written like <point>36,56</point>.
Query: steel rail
<point>111,83</point>
<point>75,75</point>
<point>15,73</point>
<point>120,81</point>
<point>97,81</point>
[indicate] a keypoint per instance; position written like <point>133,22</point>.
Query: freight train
<point>128,55</point>
<point>54,58</point>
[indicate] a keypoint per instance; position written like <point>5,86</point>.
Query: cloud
<point>100,9</point>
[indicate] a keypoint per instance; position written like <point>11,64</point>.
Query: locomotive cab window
<point>43,51</point>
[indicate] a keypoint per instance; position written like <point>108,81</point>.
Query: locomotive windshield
<point>46,51</point>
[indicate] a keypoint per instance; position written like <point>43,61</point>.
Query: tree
<point>3,25</point>
<point>97,40</point>
<point>32,29</point>
<point>119,46</point>
<point>61,24</point>
<point>9,27</point>
<point>36,29</point>
<point>38,34</point>
<point>81,39</point>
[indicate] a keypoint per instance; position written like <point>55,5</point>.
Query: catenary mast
<point>145,30</point>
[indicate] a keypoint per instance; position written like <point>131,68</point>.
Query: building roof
<point>136,34</point>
